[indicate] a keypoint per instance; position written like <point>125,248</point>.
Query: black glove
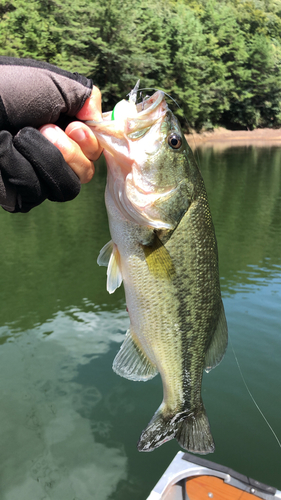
<point>34,93</point>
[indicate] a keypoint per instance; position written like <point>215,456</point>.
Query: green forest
<point>220,59</point>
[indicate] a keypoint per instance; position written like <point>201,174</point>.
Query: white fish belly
<point>152,307</point>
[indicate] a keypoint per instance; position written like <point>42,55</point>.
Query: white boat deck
<point>171,486</point>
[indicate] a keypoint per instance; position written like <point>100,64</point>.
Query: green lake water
<point>68,424</point>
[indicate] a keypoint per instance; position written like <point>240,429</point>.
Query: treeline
<point>220,59</point>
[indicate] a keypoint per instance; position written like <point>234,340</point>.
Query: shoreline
<point>221,138</point>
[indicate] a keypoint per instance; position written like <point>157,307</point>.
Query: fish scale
<point>164,250</point>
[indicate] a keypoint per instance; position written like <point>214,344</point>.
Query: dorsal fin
<point>218,344</point>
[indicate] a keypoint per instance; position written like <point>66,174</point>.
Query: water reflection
<point>253,277</point>
<point>244,190</point>
<point>48,445</point>
<point>69,425</point>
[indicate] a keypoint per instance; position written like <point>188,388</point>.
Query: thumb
<point>92,107</point>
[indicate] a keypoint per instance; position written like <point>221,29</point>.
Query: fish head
<point>148,160</point>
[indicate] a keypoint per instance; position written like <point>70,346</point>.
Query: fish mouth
<point>151,103</point>
<point>149,112</point>
<point>126,154</point>
<point>133,119</point>
<point>119,137</point>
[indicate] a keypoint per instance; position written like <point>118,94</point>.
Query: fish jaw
<point>119,136</point>
<point>128,142</point>
<point>137,154</point>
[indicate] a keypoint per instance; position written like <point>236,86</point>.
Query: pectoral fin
<point>105,254</point>
<point>218,344</point>
<point>110,257</point>
<point>132,363</point>
<point>158,259</point>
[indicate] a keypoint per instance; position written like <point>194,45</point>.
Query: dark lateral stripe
<point>197,291</point>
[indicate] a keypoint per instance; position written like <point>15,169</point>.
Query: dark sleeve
<point>34,93</point>
<point>32,169</point>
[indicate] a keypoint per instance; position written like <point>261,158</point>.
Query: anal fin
<point>132,363</point>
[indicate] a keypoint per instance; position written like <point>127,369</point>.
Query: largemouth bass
<point>164,250</point>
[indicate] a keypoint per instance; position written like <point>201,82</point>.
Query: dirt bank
<point>221,138</point>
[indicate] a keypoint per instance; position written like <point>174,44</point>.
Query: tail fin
<point>192,432</point>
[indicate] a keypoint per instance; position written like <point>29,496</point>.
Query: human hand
<point>33,93</point>
<point>78,144</point>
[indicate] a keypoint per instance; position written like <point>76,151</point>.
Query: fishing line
<point>251,396</point>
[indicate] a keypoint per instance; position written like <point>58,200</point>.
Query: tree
<point>221,59</point>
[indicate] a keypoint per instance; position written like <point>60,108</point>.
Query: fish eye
<point>174,140</point>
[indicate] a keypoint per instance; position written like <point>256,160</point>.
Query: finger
<point>92,107</point>
<point>83,135</point>
<point>72,153</point>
